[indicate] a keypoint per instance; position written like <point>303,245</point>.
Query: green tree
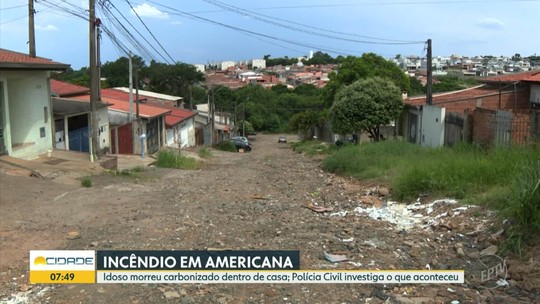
<point>366,105</point>
<point>117,72</point>
<point>173,79</point>
<point>369,65</point>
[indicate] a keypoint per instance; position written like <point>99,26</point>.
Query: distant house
<point>180,126</point>
<point>72,118</point>
<point>158,99</point>
<point>26,119</point>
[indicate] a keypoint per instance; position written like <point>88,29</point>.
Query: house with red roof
<point>72,119</point>
<point>26,110</point>
<point>503,110</point>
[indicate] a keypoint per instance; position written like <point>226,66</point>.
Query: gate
<point>79,140</point>
<point>412,128</point>
<point>454,125</point>
<point>124,140</point>
<point>152,136</point>
<point>503,128</point>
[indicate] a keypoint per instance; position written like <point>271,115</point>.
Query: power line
<point>174,11</point>
<point>150,31</point>
<point>251,14</point>
<point>144,52</point>
<point>11,7</point>
<point>374,4</point>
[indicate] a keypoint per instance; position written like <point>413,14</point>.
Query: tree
<point>117,72</point>
<point>353,68</point>
<point>365,105</point>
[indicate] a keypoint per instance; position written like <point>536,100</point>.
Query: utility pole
<point>98,61</point>
<point>130,88</point>
<point>31,30</point>
<point>429,85</point>
<point>137,89</point>
<point>94,84</point>
<point>212,105</point>
<point>191,96</point>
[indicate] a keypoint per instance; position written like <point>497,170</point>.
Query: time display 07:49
<point>62,276</point>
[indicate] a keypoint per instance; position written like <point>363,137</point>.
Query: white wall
<point>432,126</point>
<point>28,104</point>
<point>105,132</point>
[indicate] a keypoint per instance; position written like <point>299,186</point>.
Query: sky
<point>211,31</point>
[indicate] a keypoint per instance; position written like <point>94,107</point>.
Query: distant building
<point>200,67</point>
<point>227,64</point>
<point>258,63</point>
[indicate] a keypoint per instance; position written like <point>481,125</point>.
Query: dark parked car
<point>240,144</point>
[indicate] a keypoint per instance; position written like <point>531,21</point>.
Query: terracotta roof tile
<point>62,88</point>
<point>121,105</point>
<point>11,59</point>
<point>513,77</point>
<point>452,96</point>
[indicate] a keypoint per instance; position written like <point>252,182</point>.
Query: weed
<point>204,152</point>
<point>174,159</point>
<point>523,208</point>
<point>86,182</point>
<point>226,146</point>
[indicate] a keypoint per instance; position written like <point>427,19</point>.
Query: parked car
<point>282,140</point>
<point>242,138</point>
<point>240,144</point>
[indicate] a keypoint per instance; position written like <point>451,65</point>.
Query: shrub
<point>174,159</point>
<point>204,152</point>
<point>523,208</point>
<point>226,146</point>
<point>86,182</point>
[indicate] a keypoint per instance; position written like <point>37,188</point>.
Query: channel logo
<point>62,260</point>
<point>62,266</point>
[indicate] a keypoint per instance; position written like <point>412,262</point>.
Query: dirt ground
<point>247,201</point>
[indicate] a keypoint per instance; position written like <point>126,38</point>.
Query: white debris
<point>351,239</point>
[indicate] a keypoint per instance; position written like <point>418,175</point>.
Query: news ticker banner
<point>207,267</point>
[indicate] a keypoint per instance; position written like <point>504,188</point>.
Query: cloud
<point>46,28</point>
<point>146,10</point>
<point>490,23</point>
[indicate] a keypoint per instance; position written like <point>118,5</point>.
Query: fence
<point>503,128</point>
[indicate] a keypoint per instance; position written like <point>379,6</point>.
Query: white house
<point>26,120</point>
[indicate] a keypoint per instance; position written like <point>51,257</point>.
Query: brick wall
<point>509,100</point>
<point>482,126</point>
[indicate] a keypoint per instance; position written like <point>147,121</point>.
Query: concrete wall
<point>535,94</point>
<point>28,129</point>
<point>181,135</point>
<point>104,130</point>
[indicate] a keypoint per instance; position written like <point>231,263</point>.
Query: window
<point>45,114</point>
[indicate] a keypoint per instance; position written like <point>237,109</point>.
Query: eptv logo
<point>62,260</point>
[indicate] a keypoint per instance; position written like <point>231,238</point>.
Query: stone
<point>460,252</point>
<point>72,235</point>
<point>384,191</point>
<point>491,250</point>
<point>171,294</point>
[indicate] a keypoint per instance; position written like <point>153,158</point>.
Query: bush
<point>173,159</point>
<point>204,152</point>
<point>226,146</point>
<point>86,182</point>
<point>523,208</point>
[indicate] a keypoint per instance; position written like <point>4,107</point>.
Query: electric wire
<point>247,13</point>
<point>153,36</point>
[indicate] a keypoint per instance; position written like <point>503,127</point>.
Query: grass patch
<point>174,159</point>
<point>314,147</point>
<point>226,146</point>
<point>507,179</point>
<point>86,182</point>
<point>523,209</point>
<point>462,172</point>
<point>204,152</point>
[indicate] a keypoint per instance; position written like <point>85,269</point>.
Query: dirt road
<point>240,201</point>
